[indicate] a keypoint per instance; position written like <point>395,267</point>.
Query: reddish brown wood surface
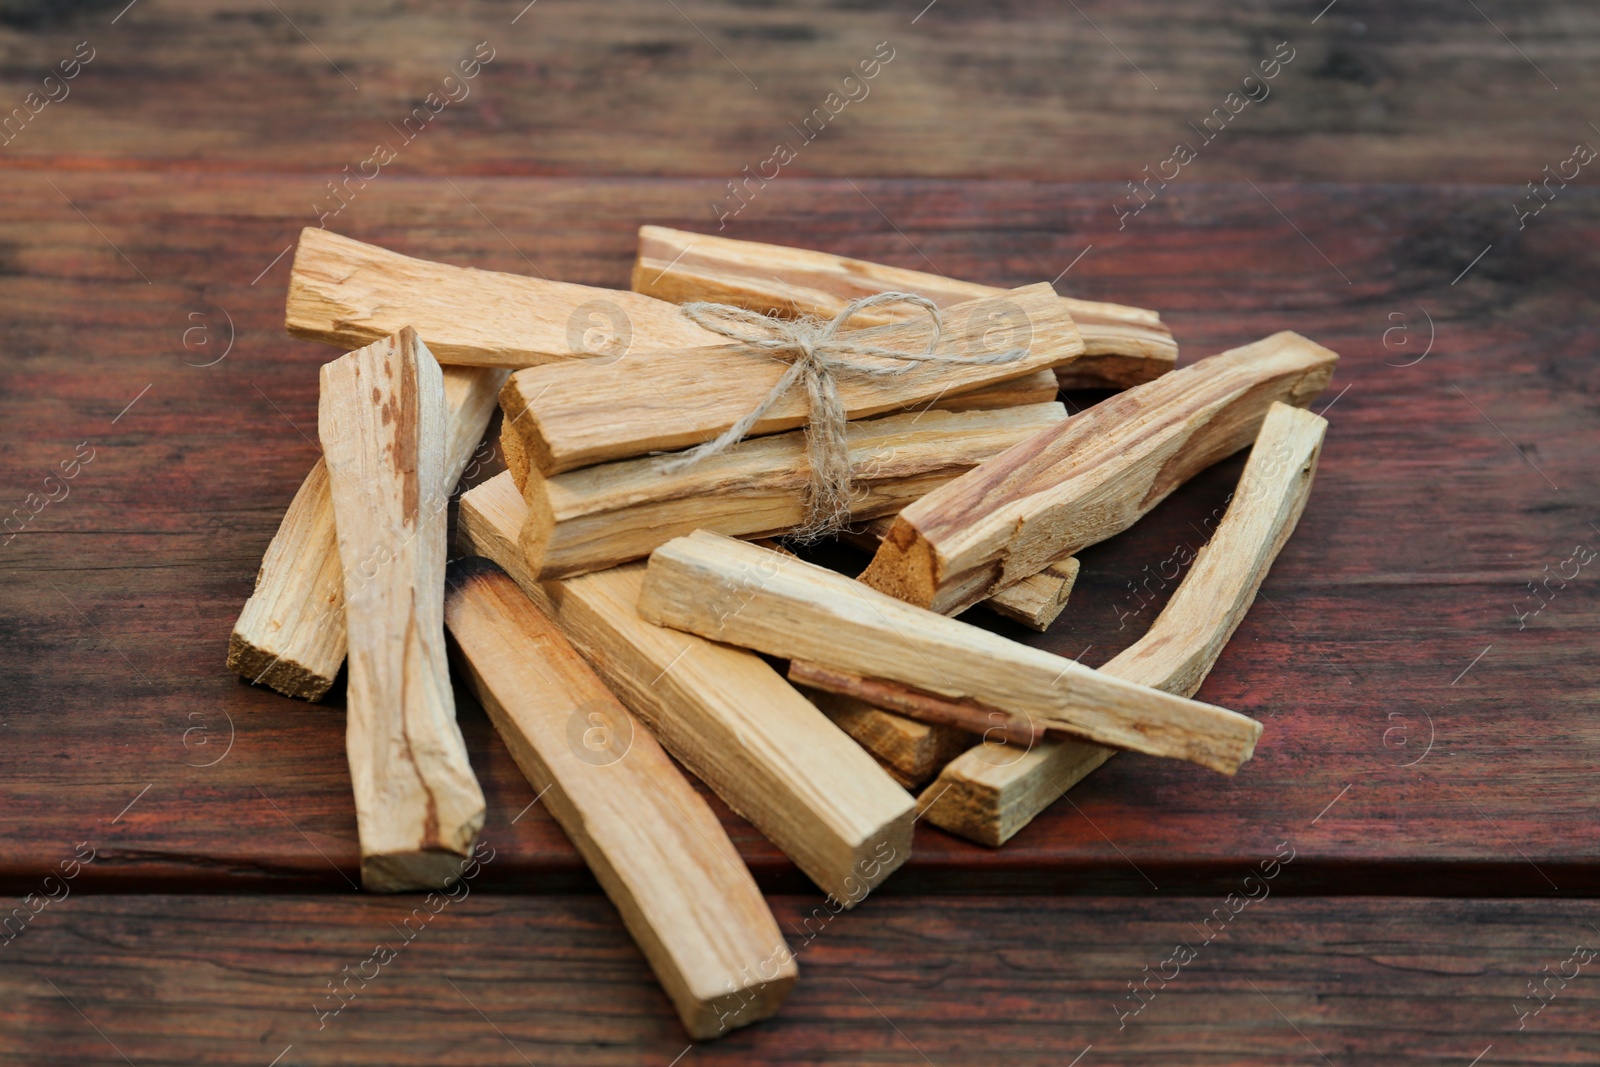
<point>1421,92</point>
<point>960,981</point>
<point>1420,739</point>
<point>1423,531</point>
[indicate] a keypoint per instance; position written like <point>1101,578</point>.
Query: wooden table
<point>1427,680</point>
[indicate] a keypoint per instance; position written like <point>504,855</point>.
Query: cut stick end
<point>964,807</point>
<point>756,1000</point>
<point>521,423</point>
<point>399,872</point>
<point>261,666</point>
<point>988,794</point>
<point>538,529</point>
<point>516,456</point>
<point>904,566</point>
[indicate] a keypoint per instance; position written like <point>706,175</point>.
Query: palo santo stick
<point>1123,346</point>
<point>382,423</point>
<point>1089,478</point>
<point>722,712</point>
<point>988,794</point>
<point>1039,599</point>
<point>597,517</point>
<point>291,633</point>
<point>728,590</point>
<point>1036,388</point>
<point>911,751</point>
<point>348,293</point>
<point>969,716</point>
<point>1036,601</point>
<point>651,840</point>
<point>579,413</point>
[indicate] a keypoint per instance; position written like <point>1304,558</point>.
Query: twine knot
<point>818,353</point>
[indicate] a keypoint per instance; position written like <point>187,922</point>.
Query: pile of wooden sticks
<point>612,605</point>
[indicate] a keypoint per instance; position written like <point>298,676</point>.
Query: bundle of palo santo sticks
<point>617,597</point>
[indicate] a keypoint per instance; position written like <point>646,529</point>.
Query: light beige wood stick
<point>728,590</point>
<point>1039,599</point>
<point>1036,388</point>
<point>382,423</point>
<point>349,293</point>
<point>910,750</point>
<point>579,413</point>
<point>597,517</point>
<point>291,633</point>
<point>1036,601</point>
<point>991,792</point>
<point>722,712</point>
<point>969,716</point>
<point>651,840</point>
<point>1090,477</point>
<point>1123,346</point>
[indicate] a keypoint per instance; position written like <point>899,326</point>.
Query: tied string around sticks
<point>819,351</point>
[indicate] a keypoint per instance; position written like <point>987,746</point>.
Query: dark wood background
<point>1429,755</point>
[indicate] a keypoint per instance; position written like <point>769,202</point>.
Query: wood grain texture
<point>291,633</point>
<point>612,513</point>
<point>584,412</point>
<point>728,590</point>
<point>911,751</point>
<point>1122,346</point>
<point>1422,738</point>
<point>989,796</point>
<point>964,980</point>
<point>652,842</point>
<point>382,424</point>
<point>1036,388</point>
<point>967,716</point>
<point>724,713</point>
<point>348,293</point>
<point>1039,599</point>
<point>1375,93</point>
<point>1036,601</point>
<point>1413,556</point>
<point>1091,477</point>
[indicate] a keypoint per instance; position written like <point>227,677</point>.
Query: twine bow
<point>818,352</point>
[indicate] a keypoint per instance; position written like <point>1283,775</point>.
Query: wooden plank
<point>733,591</point>
<point>673,109</point>
<point>600,516</point>
<point>656,848</point>
<point>990,795</point>
<point>724,713</point>
<point>1093,477</point>
<point>383,429</point>
<point>579,413</point>
<point>348,293</point>
<point>1364,979</point>
<point>1122,346</point>
<point>291,633</point>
